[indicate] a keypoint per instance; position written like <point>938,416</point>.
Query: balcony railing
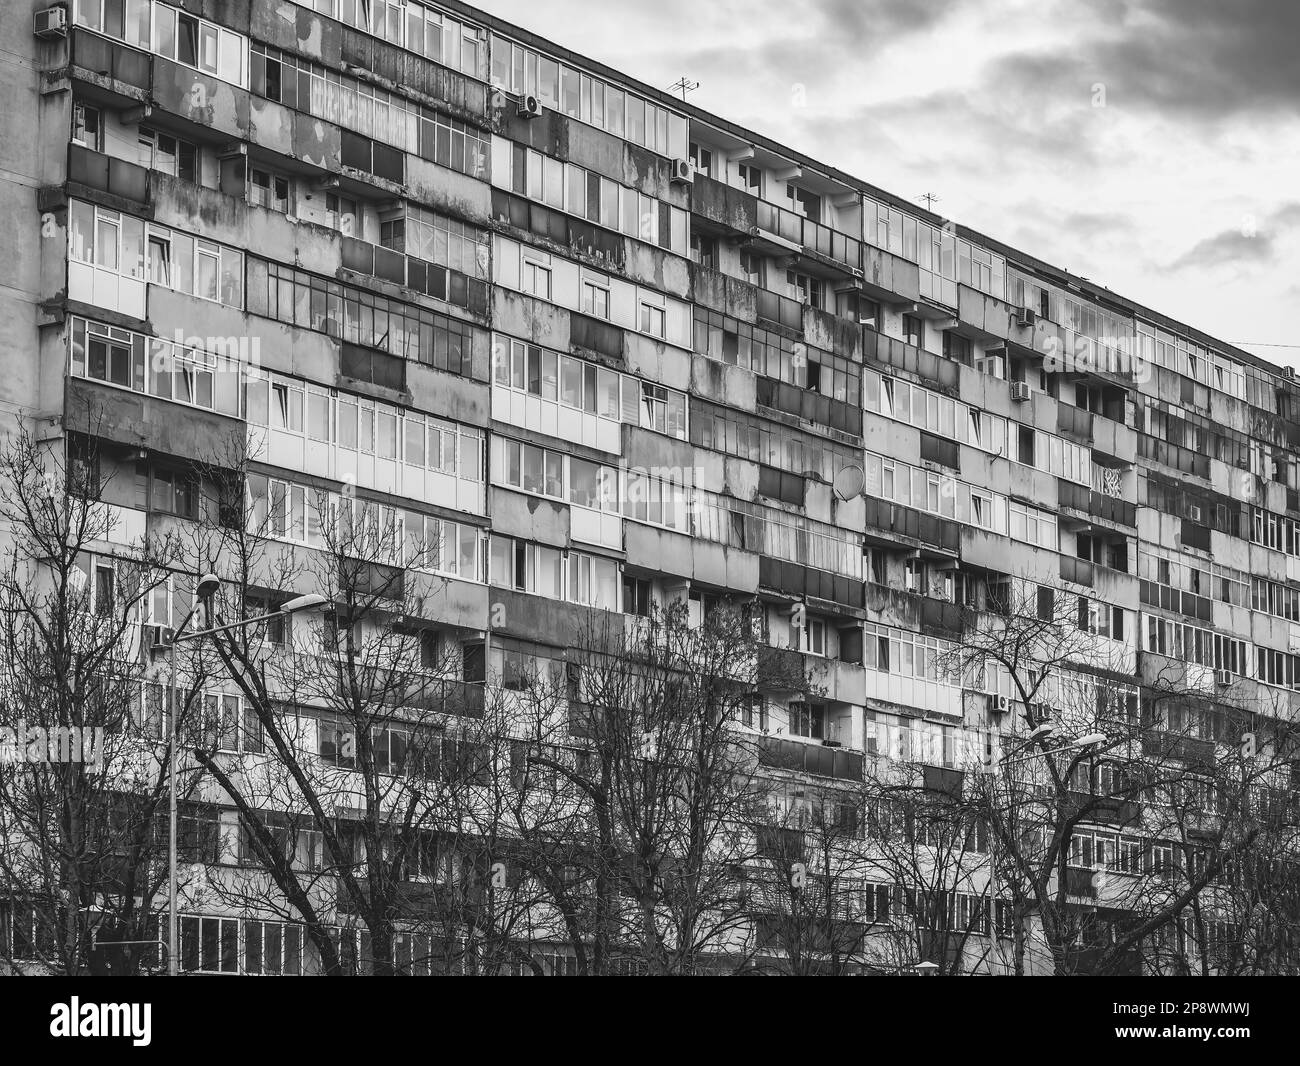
<point>812,236</point>
<point>779,309</point>
<point>108,174</point>
<point>111,60</point>
<point>782,754</point>
<point>440,282</point>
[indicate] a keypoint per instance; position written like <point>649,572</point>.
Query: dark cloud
<point>1231,247</point>
<point>863,20</point>
<point>1188,57</point>
<point>1283,219</point>
<point>1098,223</point>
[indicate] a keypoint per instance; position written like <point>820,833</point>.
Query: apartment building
<point>620,353</point>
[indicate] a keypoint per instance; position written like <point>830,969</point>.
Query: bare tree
<point>83,817</point>
<point>356,760</point>
<point>649,790</point>
<point>1085,839</point>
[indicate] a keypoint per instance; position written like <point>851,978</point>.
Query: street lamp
<point>1084,741</point>
<point>204,591</point>
<point>926,969</point>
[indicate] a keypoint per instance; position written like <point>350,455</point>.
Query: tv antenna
<point>683,85</point>
<point>930,200</point>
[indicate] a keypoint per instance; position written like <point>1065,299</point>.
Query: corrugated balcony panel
<point>116,177</point>
<point>943,780</point>
<point>372,366</point>
<point>1074,420</point>
<point>595,335</point>
<point>406,70</point>
<point>782,754</point>
<point>1077,570</point>
<point>108,59</point>
<point>780,669</point>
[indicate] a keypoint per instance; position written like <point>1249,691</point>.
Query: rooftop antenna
<point>930,200</point>
<point>683,85</point>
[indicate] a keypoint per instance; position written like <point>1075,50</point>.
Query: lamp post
<point>206,589</point>
<point>1042,731</point>
<point>1085,741</point>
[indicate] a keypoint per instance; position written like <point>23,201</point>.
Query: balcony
<point>108,174</point>
<point>819,248</point>
<point>802,581</point>
<point>943,781</point>
<point>108,61</point>
<point>899,521</point>
<point>1096,504</point>
<point>1191,751</point>
<point>429,279</point>
<point>459,94</point>
<point>912,610</point>
<point>896,353</point>
<point>729,211</point>
<point>462,699</point>
<point>780,309</point>
<point>1078,571</point>
<point>780,669</point>
<point>584,238</point>
<point>810,758</point>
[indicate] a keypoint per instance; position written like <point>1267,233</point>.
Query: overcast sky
<point>1149,145</point>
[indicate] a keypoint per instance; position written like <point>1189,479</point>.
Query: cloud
<point>1225,249</point>
<point>1200,59</point>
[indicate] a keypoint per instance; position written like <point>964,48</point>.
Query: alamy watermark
<point>22,743</point>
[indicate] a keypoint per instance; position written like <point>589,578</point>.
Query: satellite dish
<point>849,482</point>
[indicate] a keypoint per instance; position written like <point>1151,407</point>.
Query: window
<point>956,347</point>
<point>750,178</point>
<point>341,214</point>
<point>814,637</point>
<point>702,159</point>
<point>653,320</point>
<point>704,251</point>
<point>88,127</point>
<point>807,289</point>
<point>636,596</point>
<point>267,189</point>
<point>808,720</point>
<point>595,300</point>
<point>807,203</point>
<point>238,727</point>
<point>535,279</point>
<point>105,596</point>
<point>165,491</point>
<point>913,332</point>
<point>272,948</point>
<point>168,154</point>
<point>336,741</point>
<point>437,238</point>
<point>209,944</point>
<point>753,711</point>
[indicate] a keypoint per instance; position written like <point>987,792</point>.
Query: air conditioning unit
<point>1026,316</point>
<point>156,636</point>
<point>1223,678</point>
<point>997,704</point>
<point>683,172</point>
<point>51,24</point>
<point>1020,391</point>
<point>529,107</point>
